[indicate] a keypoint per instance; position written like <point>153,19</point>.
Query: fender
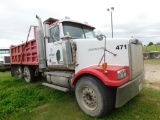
<point>109,79</point>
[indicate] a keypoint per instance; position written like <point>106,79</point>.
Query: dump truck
<point>4,59</point>
<point>105,73</point>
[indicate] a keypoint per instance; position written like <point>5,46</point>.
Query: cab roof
<point>53,21</point>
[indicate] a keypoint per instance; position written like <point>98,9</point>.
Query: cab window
<point>55,35</point>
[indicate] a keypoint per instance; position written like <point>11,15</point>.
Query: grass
<point>151,48</point>
<point>152,61</point>
<point>32,101</point>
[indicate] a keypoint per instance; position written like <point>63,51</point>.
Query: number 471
<point>120,47</point>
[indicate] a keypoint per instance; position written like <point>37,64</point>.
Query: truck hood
<point>90,52</point>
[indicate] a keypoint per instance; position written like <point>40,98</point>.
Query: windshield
<point>77,31</point>
<point>4,51</point>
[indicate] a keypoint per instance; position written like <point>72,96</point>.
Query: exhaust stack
<point>40,44</point>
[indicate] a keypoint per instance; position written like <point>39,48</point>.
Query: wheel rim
<point>19,72</point>
<point>146,56</point>
<point>27,75</point>
<point>89,98</point>
<point>157,55</point>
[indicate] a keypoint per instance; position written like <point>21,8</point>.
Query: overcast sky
<point>137,18</point>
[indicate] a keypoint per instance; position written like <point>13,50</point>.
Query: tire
<point>20,72</point>
<point>28,74</point>
<point>146,56</point>
<point>156,55</point>
<point>13,69</point>
<point>93,97</point>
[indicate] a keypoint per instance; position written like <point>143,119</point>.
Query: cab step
<point>56,87</point>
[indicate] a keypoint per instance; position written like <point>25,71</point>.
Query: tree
<point>150,44</point>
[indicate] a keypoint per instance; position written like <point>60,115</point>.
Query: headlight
<point>121,73</point>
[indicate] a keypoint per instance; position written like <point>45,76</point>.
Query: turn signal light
<point>104,65</point>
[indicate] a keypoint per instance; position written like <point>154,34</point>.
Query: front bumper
<point>129,90</point>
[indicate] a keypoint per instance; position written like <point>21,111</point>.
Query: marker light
<point>104,65</point>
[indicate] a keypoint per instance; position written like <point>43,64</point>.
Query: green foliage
<point>32,101</point>
<point>150,44</point>
<point>151,48</point>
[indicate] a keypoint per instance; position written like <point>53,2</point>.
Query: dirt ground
<point>152,75</point>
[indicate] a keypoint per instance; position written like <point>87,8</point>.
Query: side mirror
<point>99,35</point>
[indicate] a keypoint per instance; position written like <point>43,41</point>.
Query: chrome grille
<point>7,59</point>
<point>137,65</point>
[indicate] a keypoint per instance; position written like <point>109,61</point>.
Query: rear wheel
<point>20,71</point>
<point>146,56</point>
<point>93,97</point>
<point>156,55</point>
<point>28,74</point>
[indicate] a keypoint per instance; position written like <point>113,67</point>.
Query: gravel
<point>152,72</point>
<point>152,75</point>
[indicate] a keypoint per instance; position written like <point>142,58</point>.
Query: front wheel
<point>93,97</point>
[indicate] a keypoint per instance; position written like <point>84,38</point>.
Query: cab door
<point>54,47</point>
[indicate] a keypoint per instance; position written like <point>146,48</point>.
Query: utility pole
<point>111,10</point>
